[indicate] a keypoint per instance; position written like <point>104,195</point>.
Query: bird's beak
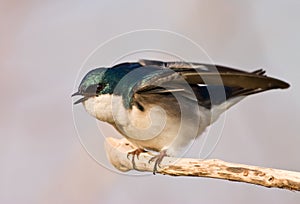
<point>75,94</point>
<point>81,99</point>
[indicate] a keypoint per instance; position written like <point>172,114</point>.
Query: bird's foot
<point>134,153</point>
<point>158,159</point>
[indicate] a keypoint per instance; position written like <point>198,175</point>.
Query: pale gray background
<point>42,46</point>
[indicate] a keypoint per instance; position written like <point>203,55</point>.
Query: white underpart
<point>149,128</point>
<point>217,110</point>
<point>100,107</point>
<point>132,122</point>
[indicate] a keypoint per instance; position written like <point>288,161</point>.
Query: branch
<point>117,153</point>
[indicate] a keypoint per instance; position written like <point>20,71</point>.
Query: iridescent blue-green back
<point>123,79</point>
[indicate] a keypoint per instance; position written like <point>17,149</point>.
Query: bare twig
<point>117,153</point>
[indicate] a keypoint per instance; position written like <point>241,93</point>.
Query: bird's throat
<point>103,107</point>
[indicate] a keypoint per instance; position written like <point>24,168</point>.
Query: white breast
<point>100,107</point>
<point>141,125</point>
<point>150,128</point>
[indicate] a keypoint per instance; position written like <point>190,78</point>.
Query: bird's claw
<point>134,153</point>
<point>158,159</point>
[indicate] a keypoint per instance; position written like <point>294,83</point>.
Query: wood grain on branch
<point>117,153</point>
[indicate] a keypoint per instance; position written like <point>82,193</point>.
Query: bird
<point>163,106</point>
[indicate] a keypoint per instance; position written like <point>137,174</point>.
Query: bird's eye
<point>99,88</point>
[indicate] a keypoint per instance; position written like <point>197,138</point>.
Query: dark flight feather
<point>222,82</point>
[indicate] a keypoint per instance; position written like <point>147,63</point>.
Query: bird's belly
<point>154,138</point>
<point>174,137</point>
<point>159,126</point>
<point>157,129</point>
<point>152,128</point>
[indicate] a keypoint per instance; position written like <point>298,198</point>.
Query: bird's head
<point>93,84</point>
<point>104,81</point>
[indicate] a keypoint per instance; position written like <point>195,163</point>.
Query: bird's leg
<point>158,159</point>
<point>134,153</point>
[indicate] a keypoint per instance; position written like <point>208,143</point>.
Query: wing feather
<point>170,77</point>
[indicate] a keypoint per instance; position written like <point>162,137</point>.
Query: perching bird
<point>163,106</point>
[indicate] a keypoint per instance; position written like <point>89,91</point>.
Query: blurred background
<point>42,47</point>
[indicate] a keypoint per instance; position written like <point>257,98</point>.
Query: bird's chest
<point>101,107</point>
<point>151,126</point>
<point>157,126</point>
<point>110,109</point>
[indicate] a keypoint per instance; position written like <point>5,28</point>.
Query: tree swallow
<point>163,106</point>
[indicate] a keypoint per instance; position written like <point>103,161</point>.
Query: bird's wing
<point>197,73</point>
<point>210,84</point>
